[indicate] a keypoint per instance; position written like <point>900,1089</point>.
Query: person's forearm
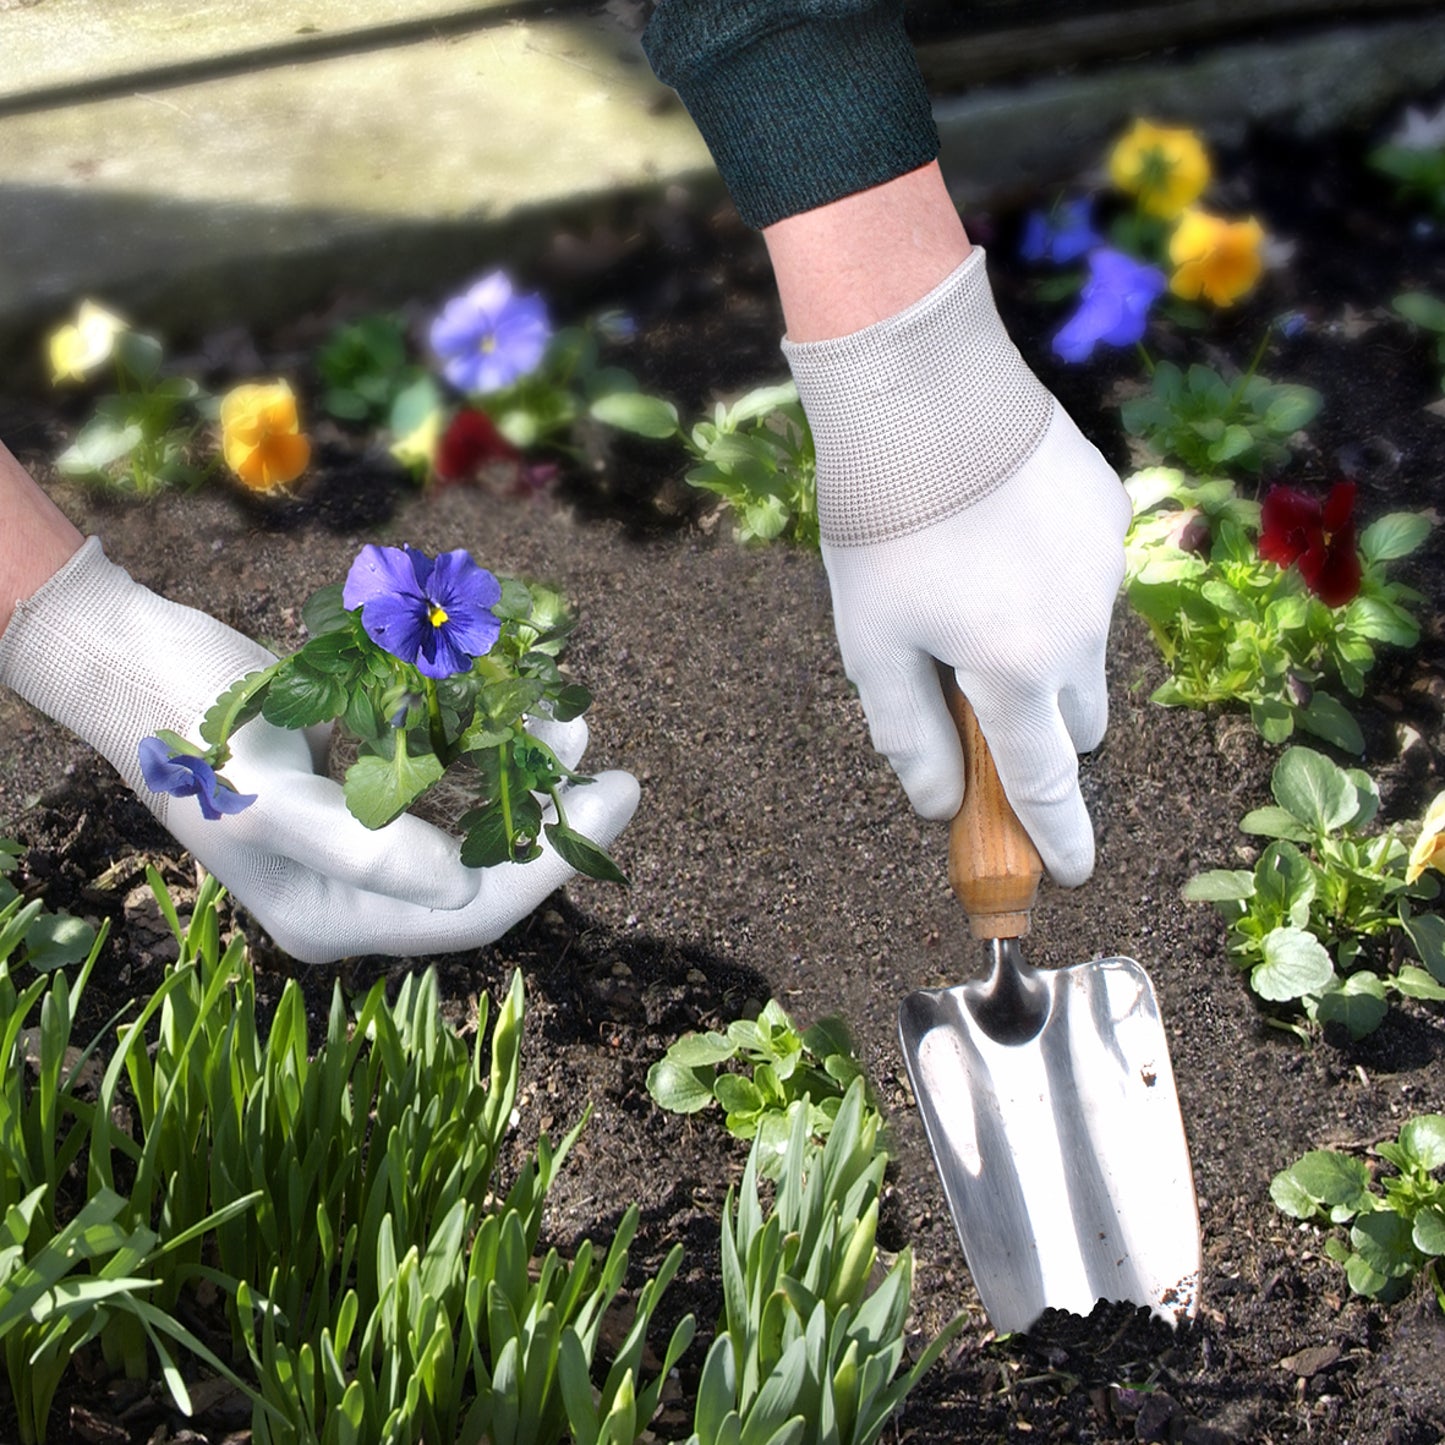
<point>36,540</point>
<point>865,257</point>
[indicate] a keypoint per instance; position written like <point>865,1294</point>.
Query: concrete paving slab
<point>247,194</point>
<point>77,44</point>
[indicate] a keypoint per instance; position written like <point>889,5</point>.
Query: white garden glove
<point>113,662</point>
<point>965,519</point>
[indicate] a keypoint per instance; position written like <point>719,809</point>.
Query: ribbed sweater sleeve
<point>800,101</point>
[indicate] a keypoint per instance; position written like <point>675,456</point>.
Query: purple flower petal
<point>398,624</point>
<point>379,572</point>
<point>488,337</point>
<point>436,615</point>
<point>185,776</point>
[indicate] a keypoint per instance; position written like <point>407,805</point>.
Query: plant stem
<point>1145,357</point>
<point>555,794</point>
<point>437,732</point>
<point>504,760</point>
<point>1253,367</point>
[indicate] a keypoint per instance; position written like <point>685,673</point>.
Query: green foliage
<point>783,1067</point>
<point>1234,627</point>
<point>1307,921</point>
<point>1426,312</point>
<point>757,455</point>
<point>1418,171</point>
<point>365,367</point>
<point>143,438</point>
<point>807,1352</point>
<point>69,1275</point>
<point>1215,427</point>
<point>1396,1230</point>
<point>412,730</point>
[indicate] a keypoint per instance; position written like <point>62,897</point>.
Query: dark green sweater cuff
<point>800,101</point>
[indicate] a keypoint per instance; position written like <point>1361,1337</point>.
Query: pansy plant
<point>432,664</point>
<point>1267,604</point>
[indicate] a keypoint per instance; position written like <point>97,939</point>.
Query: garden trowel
<point>1048,1098</point>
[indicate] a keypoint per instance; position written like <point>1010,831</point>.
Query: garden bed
<point>773,854</point>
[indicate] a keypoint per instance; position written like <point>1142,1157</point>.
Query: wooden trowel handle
<point>992,863</point>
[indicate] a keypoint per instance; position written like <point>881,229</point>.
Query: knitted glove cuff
<point>800,103</point>
<point>919,416</point>
<point>112,661</point>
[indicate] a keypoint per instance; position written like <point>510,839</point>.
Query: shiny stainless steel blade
<point>1050,1106</point>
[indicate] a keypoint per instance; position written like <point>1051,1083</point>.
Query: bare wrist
<point>865,257</point>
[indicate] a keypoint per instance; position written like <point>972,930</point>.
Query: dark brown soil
<point>774,855</point>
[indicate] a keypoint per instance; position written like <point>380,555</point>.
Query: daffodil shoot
<point>435,666</point>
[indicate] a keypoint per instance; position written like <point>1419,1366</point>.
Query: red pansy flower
<point>470,443</point>
<point>1318,537</point>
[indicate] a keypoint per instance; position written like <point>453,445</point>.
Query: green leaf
<point>323,611</point>
<point>584,855</point>
<point>1274,822</point>
<point>236,706</point>
<point>1427,933</point>
<point>1273,719</point>
<point>631,411</point>
<point>1423,1139</point>
<point>1291,1198</point>
<point>1291,408</point>
<point>1428,1233</point>
<point>1421,309</point>
<point>1383,621</point>
<point>1364,1280</point>
<point>1395,535</point>
<point>1358,1002</point>
<point>571,702</point>
<point>1295,964</point>
<point>56,940</point>
<point>379,789</point>
<point>100,443</point>
<point>300,698</point>
<point>695,1051</point>
<point>1416,983</point>
<point>1219,885</point>
<point>1311,788</point>
<point>1235,442</point>
<point>1382,1239</point>
<point>1333,1180</point>
<point>414,404</point>
<point>1327,718</point>
<point>679,1089</point>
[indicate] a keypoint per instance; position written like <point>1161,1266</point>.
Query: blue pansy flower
<point>436,615</point>
<point>1113,306</point>
<point>184,776</point>
<point>489,336</point>
<point>1061,235</point>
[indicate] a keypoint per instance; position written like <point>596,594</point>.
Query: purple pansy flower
<point>489,336</point>
<point>435,615</point>
<point>185,776</point>
<point>1061,235</point>
<point>1113,306</point>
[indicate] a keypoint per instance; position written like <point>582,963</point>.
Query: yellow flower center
<point>489,344</point>
<point>436,614</point>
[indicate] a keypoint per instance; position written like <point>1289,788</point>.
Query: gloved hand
<point>113,661</point>
<point>966,519</point>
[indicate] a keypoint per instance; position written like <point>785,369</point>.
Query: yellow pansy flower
<point>1429,849</point>
<point>260,435</point>
<point>78,347</point>
<point>1214,258</point>
<point>1167,168</point>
